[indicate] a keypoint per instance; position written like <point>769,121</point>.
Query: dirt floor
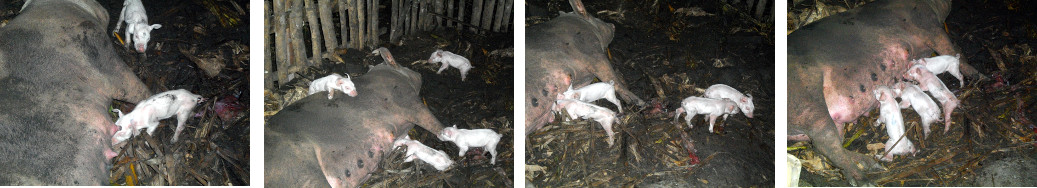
<point>483,100</point>
<point>213,148</point>
<point>992,128</point>
<point>667,52</point>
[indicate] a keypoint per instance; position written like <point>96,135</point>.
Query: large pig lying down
<point>568,50</point>
<point>58,74</point>
<point>836,62</point>
<point>316,142</point>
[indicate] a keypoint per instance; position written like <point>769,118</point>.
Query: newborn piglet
<point>713,107</point>
<point>943,63</point>
<point>416,150</point>
<point>593,92</point>
<point>889,113</point>
<point>927,81</point>
<point>584,110</point>
<point>721,91</point>
<point>912,96</point>
<point>331,83</point>
<point>450,60</point>
<point>150,111</point>
<point>465,138</point>
<point>136,24</point>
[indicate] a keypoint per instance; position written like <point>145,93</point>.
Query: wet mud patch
<point>482,101</point>
<point>992,128</point>
<point>667,52</point>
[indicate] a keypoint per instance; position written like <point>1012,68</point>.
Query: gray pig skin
<point>315,141</point>
<point>58,74</point>
<point>569,49</point>
<point>836,62</point>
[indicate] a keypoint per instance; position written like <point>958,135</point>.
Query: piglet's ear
<point>156,26</point>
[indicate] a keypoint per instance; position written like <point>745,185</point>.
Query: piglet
<point>943,63</point>
<point>452,60</point>
<point>150,111</point>
<point>136,24</point>
<point>889,113</point>
<point>713,107</point>
<point>584,110</point>
<point>593,92</point>
<point>465,138</point>
<point>912,96</point>
<point>928,81</point>
<point>721,91</point>
<point>331,83</point>
<point>415,150</point>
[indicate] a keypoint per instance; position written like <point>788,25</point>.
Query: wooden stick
<point>311,16</point>
<point>327,25</point>
<point>460,14</point>
<point>373,23</point>
<point>487,14</point>
<point>393,19</point>
<point>450,12</point>
<point>499,15</point>
<point>342,19</point>
<point>507,15</point>
<point>476,13</point>
<point>354,24</point>
<point>280,42</point>
<point>297,44</point>
<point>268,57</point>
<point>362,26</point>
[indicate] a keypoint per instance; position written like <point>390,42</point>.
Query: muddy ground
<point>483,100</point>
<point>213,148</point>
<point>667,52</point>
<point>992,139</point>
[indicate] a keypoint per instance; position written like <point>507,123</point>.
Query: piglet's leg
<point>181,118</point>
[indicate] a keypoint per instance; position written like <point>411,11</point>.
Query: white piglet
<point>928,81</point>
<point>721,91</point>
<point>912,96</point>
<point>584,110</point>
<point>943,63</point>
<point>150,111</point>
<point>465,138</point>
<point>331,83</point>
<point>415,150</point>
<point>450,60</point>
<point>712,107</point>
<point>593,92</point>
<point>889,113</point>
<point>136,24</point>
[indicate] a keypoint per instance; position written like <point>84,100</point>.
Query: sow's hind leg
<point>605,73</point>
<point>942,44</point>
<point>811,116</point>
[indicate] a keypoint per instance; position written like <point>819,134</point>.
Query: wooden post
<point>311,16</point>
<point>422,16</point>
<point>343,22</point>
<point>487,14</point>
<point>362,14</point>
<point>450,12</point>
<point>413,16</point>
<point>268,57</point>
<point>327,25</point>
<point>393,20</point>
<point>499,15</point>
<point>476,13</point>
<point>507,15</point>
<point>374,23</point>
<point>460,14</point>
<point>297,44</point>
<point>354,27</point>
<point>280,44</point>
